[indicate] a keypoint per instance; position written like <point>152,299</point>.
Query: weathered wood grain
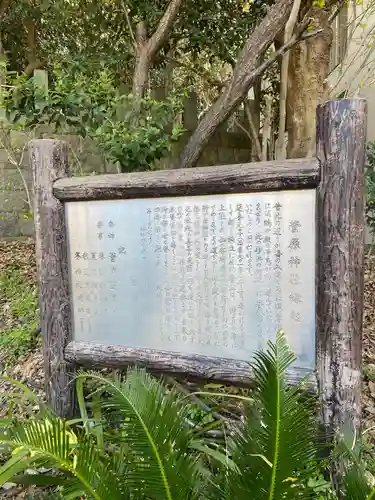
<point>341,147</point>
<point>49,162</point>
<point>225,370</point>
<point>251,177</point>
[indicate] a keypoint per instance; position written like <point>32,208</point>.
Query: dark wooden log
<point>251,177</point>
<point>49,161</point>
<point>341,148</point>
<point>199,367</point>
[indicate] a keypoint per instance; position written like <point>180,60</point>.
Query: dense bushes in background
<point>133,132</point>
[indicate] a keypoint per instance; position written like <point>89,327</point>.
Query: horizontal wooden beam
<point>250,177</point>
<point>224,370</point>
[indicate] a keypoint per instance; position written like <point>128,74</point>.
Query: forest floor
<point>20,343</point>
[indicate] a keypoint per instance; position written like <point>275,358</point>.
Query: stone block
<point>112,168</point>
<point>4,156</point>
<point>242,155</point>
<point>25,225</point>
<point>94,163</point>
<point>11,179</point>
<point>209,157</point>
<point>13,201</point>
<point>226,156</point>
<point>235,141</point>
<point>9,224</point>
<point>18,139</point>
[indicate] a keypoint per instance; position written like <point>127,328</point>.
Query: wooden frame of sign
<point>338,176</point>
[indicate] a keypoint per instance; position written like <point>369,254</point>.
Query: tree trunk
<point>147,48</point>
<point>307,85</point>
<point>33,62</point>
<point>142,64</point>
<point>140,78</point>
<point>244,75</point>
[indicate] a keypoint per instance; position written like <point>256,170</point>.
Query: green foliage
<point>134,132</point>
<point>356,481</point>
<point>92,30</point>
<point>369,372</point>
<point>22,314</point>
<point>220,29</point>
<point>370,187</point>
<point>134,441</point>
<point>279,433</point>
<point>96,30</point>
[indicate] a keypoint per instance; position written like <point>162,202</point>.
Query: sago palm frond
<point>347,462</point>
<point>277,441</point>
<point>151,419</point>
<point>50,443</point>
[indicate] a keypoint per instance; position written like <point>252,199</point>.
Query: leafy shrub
<point>134,441</point>
<point>134,132</point>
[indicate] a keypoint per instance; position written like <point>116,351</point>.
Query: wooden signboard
<point>188,272</point>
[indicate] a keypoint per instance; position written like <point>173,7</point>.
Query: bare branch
<point>289,28</point>
<point>310,34</point>
<point>17,163</point>
<point>244,130</point>
<point>266,127</point>
<point>199,71</point>
<point>336,11</point>
<point>147,49</point>
<point>128,22</point>
<point>254,134</point>
<point>287,46</point>
<point>195,399</point>
<point>250,136</point>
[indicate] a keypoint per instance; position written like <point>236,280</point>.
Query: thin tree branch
<point>306,36</point>
<point>289,28</point>
<point>196,400</point>
<point>244,130</point>
<point>287,46</point>
<point>266,127</point>
<point>147,49</point>
<point>336,11</point>
<point>254,134</point>
<point>128,22</point>
<point>246,71</point>
<point>199,72</point>
<point>12,159</point>
<point>254,141</point>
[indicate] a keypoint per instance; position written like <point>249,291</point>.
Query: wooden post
<point>49,161</point>
<point>341,150</point>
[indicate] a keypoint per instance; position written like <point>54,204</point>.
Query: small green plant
<point>22,316</point>
<point>134,440</point>
<point>369,372</point>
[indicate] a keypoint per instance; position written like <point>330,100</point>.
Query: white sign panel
<point>212,275</point>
